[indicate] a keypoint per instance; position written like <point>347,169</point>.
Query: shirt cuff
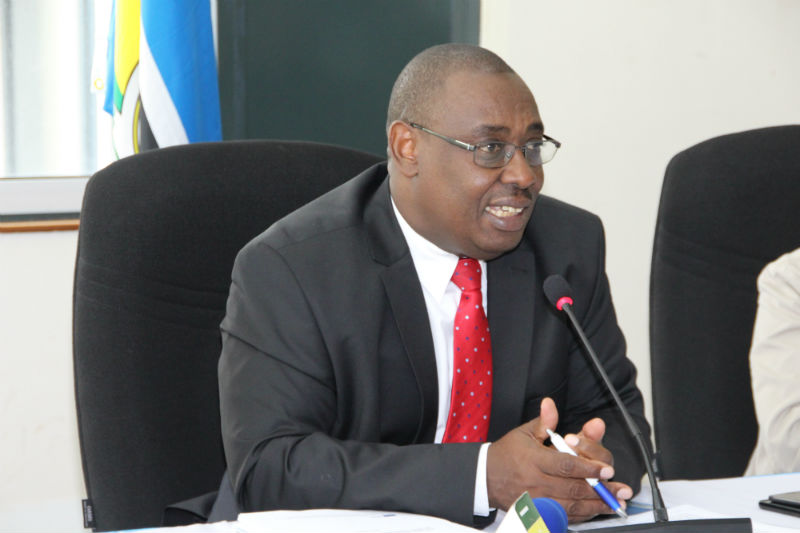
<point>481,502</point>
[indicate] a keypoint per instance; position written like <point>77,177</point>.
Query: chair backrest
<point>158,236</point>
<point>728,206</point>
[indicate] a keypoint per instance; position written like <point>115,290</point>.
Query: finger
<point>548,418</point>
<point>621,491</point>
<point>576,496</point>
<point>556,463</point>
<point>581,508</point>
<point>567,489</point>
<point>594,429</point>
<point>589,448</point>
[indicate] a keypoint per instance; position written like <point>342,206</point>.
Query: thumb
<point>548,419</point>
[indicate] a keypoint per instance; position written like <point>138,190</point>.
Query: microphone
<point>559,294</point>
<point>542,515</point>
<point>553,515</point>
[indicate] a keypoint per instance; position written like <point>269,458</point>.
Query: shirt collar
<point>434,266</point>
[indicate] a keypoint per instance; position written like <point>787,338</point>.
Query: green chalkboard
<point>322,70</point>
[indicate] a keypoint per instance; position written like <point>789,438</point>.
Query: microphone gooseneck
<point>559,294</point>
<point>558,291</point>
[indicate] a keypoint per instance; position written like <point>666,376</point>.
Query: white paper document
<point>680,512</point>
<point>714,498</point>
<point>339,521</point>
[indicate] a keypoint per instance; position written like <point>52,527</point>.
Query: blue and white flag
<point>163,66</point>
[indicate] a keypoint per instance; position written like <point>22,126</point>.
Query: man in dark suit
<point>336,374</point>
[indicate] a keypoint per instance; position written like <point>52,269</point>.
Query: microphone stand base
<point>715,525</point>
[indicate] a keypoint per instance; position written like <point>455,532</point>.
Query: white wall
<point>625,85</point>
<point>42,483</point>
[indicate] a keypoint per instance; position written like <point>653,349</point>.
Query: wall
<point>39,456</point>
<point>625,85</point>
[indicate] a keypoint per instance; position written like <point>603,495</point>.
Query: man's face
<point>463,208</point>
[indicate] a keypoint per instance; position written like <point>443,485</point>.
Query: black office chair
<point>158,236</point>
<point>728,206</point>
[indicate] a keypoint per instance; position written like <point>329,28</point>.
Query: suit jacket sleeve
<point>292,437</point>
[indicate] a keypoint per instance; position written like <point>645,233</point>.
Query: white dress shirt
<point>775,368</point>
<point>434,268</point>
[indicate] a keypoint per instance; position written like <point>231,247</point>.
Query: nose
<point>520,173</point>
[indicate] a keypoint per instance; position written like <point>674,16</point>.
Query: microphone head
<point>557,291</point>
<point>554,516</point>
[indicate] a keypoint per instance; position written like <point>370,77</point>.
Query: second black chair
<point>728,206</point>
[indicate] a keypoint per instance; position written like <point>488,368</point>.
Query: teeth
<point>503,210</point>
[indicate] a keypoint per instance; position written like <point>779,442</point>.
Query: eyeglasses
<point>498,154</point>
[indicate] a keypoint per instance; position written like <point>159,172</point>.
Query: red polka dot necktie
<point>471,396</point>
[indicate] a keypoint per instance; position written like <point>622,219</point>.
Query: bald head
<point>414,93</point>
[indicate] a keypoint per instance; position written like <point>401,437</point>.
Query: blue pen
<point>599,488</point>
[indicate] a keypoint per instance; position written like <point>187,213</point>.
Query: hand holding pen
<point>520,462</point>
<point>597,485</point>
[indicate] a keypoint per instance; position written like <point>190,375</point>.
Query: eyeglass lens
<point>535,154</point>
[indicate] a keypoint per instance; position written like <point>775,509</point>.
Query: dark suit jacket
<point>328,378</point>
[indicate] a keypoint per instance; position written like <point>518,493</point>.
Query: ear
<point>403,148</point>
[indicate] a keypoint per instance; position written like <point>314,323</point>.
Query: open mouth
<point>503,211</point>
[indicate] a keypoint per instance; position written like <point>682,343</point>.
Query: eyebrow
<point>488,130</point>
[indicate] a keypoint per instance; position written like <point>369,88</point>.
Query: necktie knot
<point>467,275</point>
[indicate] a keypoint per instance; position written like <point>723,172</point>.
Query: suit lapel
<point>511,297</point>
<point>408,307</point>
<point>511,279</point>
<point>404,292</point>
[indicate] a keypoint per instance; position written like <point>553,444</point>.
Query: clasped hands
<point>520,462</point>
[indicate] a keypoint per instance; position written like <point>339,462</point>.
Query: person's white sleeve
<point>481,502</point>
<point>775,368</point>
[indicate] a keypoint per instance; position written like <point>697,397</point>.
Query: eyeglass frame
<point>474,147</point>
